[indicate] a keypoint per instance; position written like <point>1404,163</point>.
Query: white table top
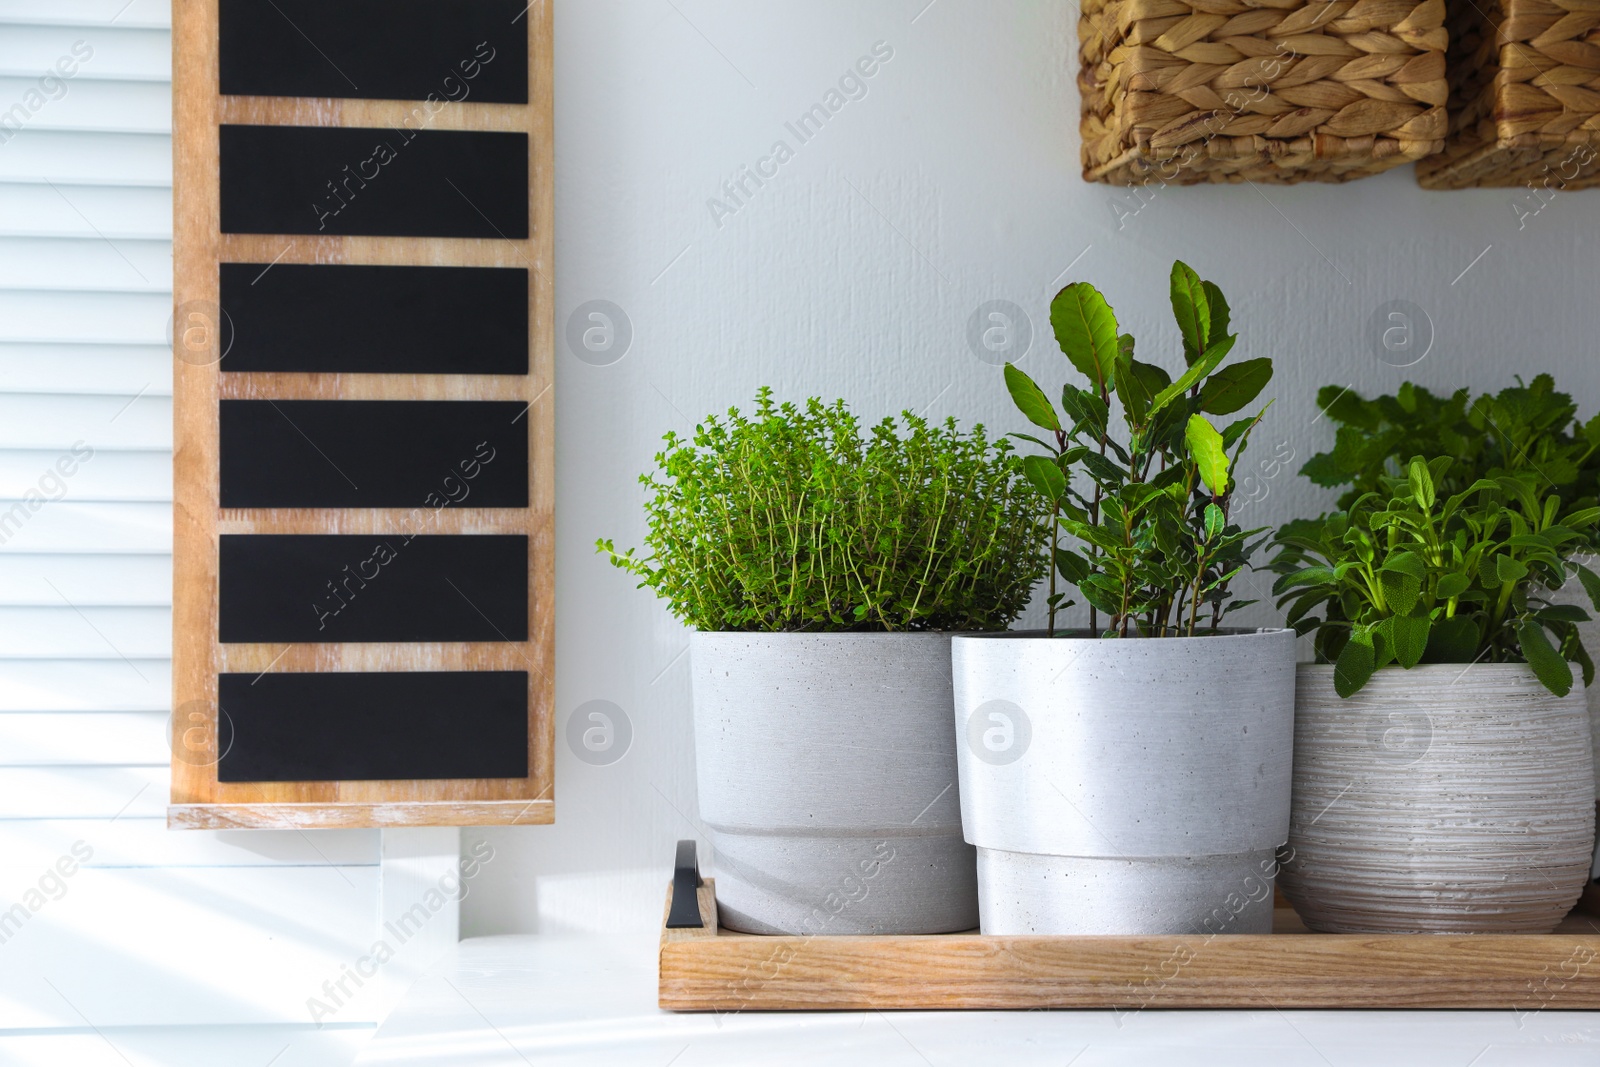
<point>519,1000</point>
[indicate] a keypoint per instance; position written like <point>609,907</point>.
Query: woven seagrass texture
<point>1524,96</point>
<point>1262,90</point>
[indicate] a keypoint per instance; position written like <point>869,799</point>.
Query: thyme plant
<point>1150,509</point>
<point>793,519</point>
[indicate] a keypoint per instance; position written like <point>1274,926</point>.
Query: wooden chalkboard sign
<point>328,319</point>
<point>455,50</point>
<point>373,453</point>
<point>399,587</point>
<point>342,181</point>
<point>271,716</point>
<point>363,578</point>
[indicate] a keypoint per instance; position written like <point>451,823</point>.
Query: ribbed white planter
<point>827,776</point>
<point>1443,798</point>
<point>1125,786</point>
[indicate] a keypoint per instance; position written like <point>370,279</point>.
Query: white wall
<point>853,272</point>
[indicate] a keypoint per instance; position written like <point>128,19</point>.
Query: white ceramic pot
<point>827,777</point>
<point>1125,786</point>
<point>1448,797</point>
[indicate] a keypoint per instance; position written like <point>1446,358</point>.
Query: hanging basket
<point>1185,91</point>
<point>1524,96</point>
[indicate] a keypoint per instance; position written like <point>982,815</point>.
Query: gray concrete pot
<point>827,777</point>
<point>1135,786</point>
<point>1446,798</point>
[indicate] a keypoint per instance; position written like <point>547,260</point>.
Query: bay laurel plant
<point>1406,575</point>
<point>792,519</point>
<point>1146,503</point>
<point>1525,427</point>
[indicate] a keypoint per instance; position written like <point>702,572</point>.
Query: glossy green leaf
<point>1218,305</point>
<point>1215,522</point>
<point>1232,432</point>
<point>1234,386</point>
<point>1030,399</point>
<point>1045,476</point>
<point>1101,591</point>
<point>1086,329</point>
<point>1132,392</point>
<point>1195,373</point>
<point>1205,444</point>
<point>1103,470</point>
<point>1192,309</point>
<point>1073,567</point>
<point>1153,378</point>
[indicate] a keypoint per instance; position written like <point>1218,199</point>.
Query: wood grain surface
<point>712,970</point>
<point>198,800</point>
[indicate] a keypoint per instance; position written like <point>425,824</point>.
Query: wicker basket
<point>1266,90</point>
<point>1524,96</point>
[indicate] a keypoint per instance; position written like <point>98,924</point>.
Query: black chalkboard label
<point>351,181</point>
<point>292,727</point>
<point>441,51</point>
<point>419,454</point>
<point>323,318</point>
<point>373,587</point>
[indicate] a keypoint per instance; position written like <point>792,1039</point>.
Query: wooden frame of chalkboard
<point>279,764</point>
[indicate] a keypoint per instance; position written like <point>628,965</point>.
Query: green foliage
<point>1406,574</point>
<point>791,520</point>
<point>1155,550</point>
<point>1522,428</point>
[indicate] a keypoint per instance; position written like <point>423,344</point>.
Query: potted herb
<point>1525,427</point>
<point>1444,779</point>
<point>1133,777</point>
<point>1529,427</point>
<point>823,571</point>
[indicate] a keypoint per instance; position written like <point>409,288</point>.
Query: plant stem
<point>1094,509</point>
<point>1199,583</point>
<point>1055,538</point>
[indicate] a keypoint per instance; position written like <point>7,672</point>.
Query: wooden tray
<point>704,968</point>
